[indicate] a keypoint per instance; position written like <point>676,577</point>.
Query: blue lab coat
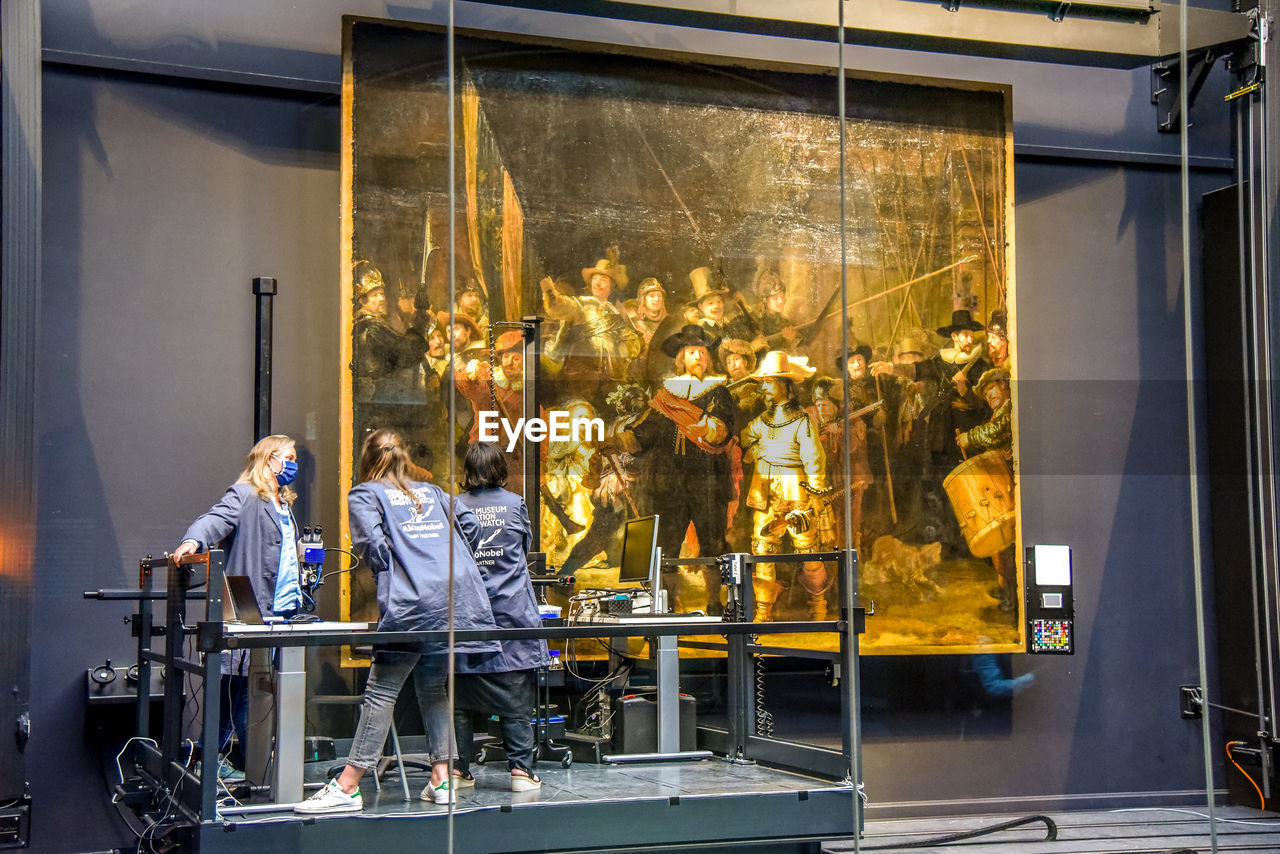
<point>248,528</point>
<point>408,552</point>
<point>505,539</point>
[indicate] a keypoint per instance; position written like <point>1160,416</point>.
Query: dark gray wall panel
<point>1102,423</point>
<point>1053,105</point>
<point>166,201</point>
<point>21,150</point>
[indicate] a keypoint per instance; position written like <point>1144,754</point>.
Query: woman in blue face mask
<point>256,528</point>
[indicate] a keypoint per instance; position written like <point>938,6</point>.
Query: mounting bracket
<point>1191,701</point>
<point>1164,86</point>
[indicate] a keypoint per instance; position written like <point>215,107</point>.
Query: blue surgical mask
<point>288,471</point>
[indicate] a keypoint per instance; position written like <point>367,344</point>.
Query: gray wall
<point>165,196</point>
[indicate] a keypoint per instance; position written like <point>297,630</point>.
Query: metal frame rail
<point>741,740</point>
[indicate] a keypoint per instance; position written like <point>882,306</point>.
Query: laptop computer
<point>239,605</point>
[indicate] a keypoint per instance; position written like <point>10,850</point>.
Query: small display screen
<point>1051,636</point>
<point>639,538</point>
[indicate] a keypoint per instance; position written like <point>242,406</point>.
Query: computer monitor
<point>639,541</point>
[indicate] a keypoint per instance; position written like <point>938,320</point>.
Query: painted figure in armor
<point>595,342</point>
<point>790,476</point>
<point>650,309</point>
<point>389,383</point>
<point>774,330</point>
<point>386,362</point>
<point>998,339</point>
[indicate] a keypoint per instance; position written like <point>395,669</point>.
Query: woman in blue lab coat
<point>416,539</point>
<point>504,685</point>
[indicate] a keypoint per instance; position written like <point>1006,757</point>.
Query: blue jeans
<point>386,677</point>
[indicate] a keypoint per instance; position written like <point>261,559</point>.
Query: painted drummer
<point>996,434</point>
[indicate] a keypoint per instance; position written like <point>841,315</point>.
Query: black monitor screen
<point>639,538</point>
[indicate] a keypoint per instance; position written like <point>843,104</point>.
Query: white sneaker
<point>331,799</point>
<point>441,794</point>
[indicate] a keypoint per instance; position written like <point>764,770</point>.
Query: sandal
<point>527,782</point>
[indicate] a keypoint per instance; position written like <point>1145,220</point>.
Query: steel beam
<point>1108,33</point>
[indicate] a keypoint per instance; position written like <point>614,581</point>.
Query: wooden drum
<point>981,493</point>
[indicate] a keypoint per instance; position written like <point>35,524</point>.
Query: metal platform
<point>694,806</point>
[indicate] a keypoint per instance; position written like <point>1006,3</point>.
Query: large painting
<point>673,222</point>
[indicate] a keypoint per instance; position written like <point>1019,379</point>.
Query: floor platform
<point>682,806</point>
<point>1126,831</point>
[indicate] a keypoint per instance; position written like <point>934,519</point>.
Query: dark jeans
<point>510,696</point>
<point>233,712</point>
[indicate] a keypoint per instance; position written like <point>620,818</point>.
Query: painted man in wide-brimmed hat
<point>596,342</point>
<point>958,405</point>
<point>788,482</point>
<point>965,355</point>
<point>686,436</point>
<point>503,384</point>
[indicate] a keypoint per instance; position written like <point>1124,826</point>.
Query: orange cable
<point>1262,803</point>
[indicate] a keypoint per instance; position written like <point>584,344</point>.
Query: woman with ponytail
<point>419,544</point>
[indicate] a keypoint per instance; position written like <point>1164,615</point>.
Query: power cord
<point>1050,827</point>
<point>1262,802</point>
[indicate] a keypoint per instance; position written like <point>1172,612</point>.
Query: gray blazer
<point>248,528</point>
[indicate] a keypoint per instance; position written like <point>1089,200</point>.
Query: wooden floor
<point>1155,831</point>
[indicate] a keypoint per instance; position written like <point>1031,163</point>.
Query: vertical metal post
<point>212,661</point>
<point>264,290</point>
<point>142,625</point>
<point>851,726</point>
<point>847,664</point>
<point>175,613</point>
<point>532,362</point>
<point>667,659</point>
<point>291,702</point>
<point>740,697</point>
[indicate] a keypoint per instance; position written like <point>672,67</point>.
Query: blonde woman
<point>252,523</point>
